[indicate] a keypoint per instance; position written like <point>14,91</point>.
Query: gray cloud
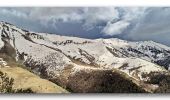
<point>131,23</point>
<point>154,25</point>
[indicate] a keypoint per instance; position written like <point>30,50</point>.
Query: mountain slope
<point>24,79</point>
<point>63,59</point>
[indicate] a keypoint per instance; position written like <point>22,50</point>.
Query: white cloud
<point>153,25</point>
<point>130,15</point>
<point>138,23</point>
<point>93,16</point>
<point>64,14</point>
<point>89,17</point>
<point>13,12</point>
<point>115,28</point>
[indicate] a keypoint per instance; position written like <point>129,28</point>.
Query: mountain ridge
<point>63,59</point>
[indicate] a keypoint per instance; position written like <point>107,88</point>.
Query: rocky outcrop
<point>3,63</point>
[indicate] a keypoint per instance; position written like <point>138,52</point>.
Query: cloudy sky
<point>130,23</point>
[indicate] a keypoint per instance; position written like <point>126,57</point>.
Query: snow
<point>52,51</point>
<point>115,42</point>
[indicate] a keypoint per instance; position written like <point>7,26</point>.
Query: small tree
<point>6,83</point>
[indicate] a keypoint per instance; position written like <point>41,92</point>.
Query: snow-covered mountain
<point>80,64</point>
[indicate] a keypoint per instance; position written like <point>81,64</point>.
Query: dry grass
<point>24,79</point>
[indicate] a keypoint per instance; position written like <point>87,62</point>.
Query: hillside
<point>88,65</point>
<point>23,80</point>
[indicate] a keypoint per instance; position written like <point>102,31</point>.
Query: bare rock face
<point>86,65</point>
